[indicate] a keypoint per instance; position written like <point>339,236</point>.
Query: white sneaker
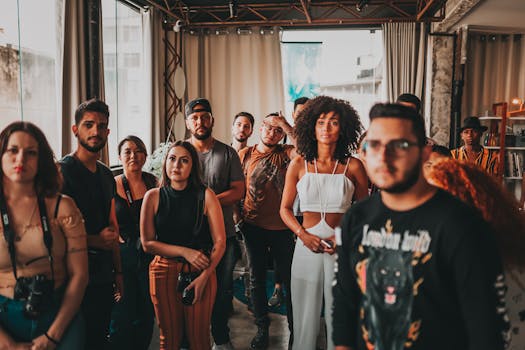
<point>227,346</point>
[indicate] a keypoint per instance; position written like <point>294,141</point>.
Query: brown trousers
<point>172,316</point>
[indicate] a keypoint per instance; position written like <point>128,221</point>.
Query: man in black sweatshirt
<point>416,269</point>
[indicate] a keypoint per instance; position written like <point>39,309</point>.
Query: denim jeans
<point>281,243</point>
<point>21,329</point>
<point>223,301</point>
<point>132,317</point>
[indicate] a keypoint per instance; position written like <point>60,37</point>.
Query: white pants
<point>312,275</point>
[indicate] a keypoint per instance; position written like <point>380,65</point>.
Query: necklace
<point>18,237</point>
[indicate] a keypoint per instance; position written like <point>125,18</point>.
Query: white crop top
<point>325,193</point>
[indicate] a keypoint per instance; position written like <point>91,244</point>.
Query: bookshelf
<point>506,134</point>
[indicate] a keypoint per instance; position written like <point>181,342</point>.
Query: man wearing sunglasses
<point>417,269</point>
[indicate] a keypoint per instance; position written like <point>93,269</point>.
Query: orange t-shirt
<point>265,174</point>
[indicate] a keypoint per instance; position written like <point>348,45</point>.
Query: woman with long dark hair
<point>132,318</point>
<point>326,179</point>
<point>181,223</point>
<point>43,256</point>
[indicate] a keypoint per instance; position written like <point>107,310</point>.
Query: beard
<point>410,180</point>
<point>203,136</point>
<point>240,139</point>
<point>92,149</point>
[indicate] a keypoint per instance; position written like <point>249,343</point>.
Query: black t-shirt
<point>93,193</point>
<point>427,278</point>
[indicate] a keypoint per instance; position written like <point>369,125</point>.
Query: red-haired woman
<point>477,188</point>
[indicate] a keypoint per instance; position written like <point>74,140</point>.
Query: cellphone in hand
<point>327,244</point>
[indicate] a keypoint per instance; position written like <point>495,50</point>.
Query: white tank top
<point>325,193</point>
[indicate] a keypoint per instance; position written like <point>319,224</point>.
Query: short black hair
<point>92,105</point>
<point>396,110</point>
<point>246,115</point>
<point>299,101</point>
<point>410,98</point>
<point>444,151</point>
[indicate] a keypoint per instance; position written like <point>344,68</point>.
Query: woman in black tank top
<point>181,223</point>
<point>132,317</point>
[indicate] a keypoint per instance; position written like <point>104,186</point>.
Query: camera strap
<point>127,190</point>
<point>9,234</point>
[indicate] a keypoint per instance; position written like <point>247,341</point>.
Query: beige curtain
<point>74,82</point>
<point>236,73</point>
<point>153,48</point>
<point>405,46</point>
<point>495,71</point>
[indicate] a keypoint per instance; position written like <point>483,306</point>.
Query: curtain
<point>405,47</point>
<point>236,73</point>
<point>494,71</point>
<point>74,80</point>
<point>153,49</point>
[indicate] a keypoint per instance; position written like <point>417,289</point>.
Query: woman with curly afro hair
<point>498,207</point>
<point>326,179</point>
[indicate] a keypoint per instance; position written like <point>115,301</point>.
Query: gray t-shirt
<point>220,167</point>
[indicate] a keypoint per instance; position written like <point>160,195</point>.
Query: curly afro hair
<point>349,122</point>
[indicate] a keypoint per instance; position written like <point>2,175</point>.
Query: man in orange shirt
<point>265,167</point>
<point>472,150</point>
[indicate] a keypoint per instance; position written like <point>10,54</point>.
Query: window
<point>29,61</point>
<point>124,78</point>
<point>345,64</point>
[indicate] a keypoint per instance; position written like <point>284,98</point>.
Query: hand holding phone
<point>327,244</point>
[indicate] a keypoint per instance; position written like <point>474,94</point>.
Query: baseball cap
<point>205,106</point>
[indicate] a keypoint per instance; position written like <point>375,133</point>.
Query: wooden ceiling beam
<point>306,12</point>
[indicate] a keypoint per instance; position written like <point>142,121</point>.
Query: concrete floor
<point>242,329</point>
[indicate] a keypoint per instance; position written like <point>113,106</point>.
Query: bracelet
<point>298,230</point>
<point>52,340</point>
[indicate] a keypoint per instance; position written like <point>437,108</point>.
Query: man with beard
<point>472,151</point>
<point>265,167</point>
<point>242,129</point>
<point>90,183</point>
<point>223,174</point>
<point>416,267</point>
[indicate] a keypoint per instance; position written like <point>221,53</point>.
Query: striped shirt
<point>486,159</point>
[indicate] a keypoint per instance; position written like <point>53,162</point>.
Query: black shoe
<point>276,298</point>
<point>260,341</point>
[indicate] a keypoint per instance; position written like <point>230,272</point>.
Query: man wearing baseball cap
<point>472,150</point>
<point>222,172</point>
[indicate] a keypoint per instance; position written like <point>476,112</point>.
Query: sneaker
<point>227,346</point>
<point>276,298</point>
<point>260,341</point>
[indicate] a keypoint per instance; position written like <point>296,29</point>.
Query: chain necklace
<point>18,237</point>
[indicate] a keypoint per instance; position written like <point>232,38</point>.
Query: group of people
<point>402,246</point>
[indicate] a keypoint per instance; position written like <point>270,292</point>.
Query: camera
<point>183,281</point>
<point>35,290</point>
<point>178,26</point>
<point>187,296</point>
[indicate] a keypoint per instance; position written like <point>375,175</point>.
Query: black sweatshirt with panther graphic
<point>427,278</point>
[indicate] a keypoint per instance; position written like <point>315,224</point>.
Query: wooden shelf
<point>512,178</point>
<point>506,148</point>
<point>490,118</point>
<point>499,118</point>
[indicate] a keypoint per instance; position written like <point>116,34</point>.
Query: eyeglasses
<point>396,148</point>
<point>204,118</point>
<point>275,129</point>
